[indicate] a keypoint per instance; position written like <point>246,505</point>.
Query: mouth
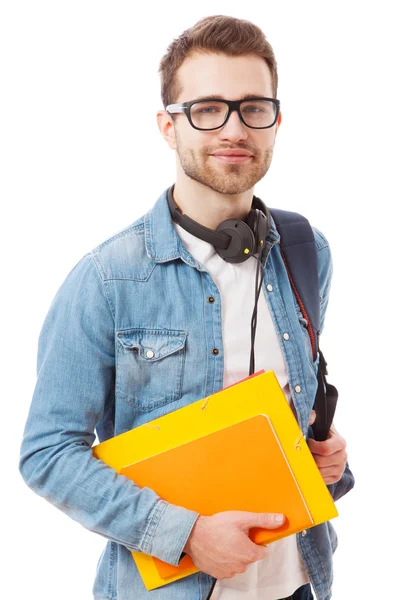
<point>225,158</point>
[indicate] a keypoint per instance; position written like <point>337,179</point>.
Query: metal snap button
<point>297,389</point>
<point>304,533</point>
<point>286,336</point>
<point>215,351</point>
<point>149,353</point>
<point>269,287</point>
<point>211,299</point>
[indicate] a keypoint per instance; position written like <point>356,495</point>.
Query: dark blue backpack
<point>297,245</point>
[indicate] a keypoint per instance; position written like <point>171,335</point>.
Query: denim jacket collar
<point>163,243</point>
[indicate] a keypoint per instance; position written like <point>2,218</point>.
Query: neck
<point>208,207</point>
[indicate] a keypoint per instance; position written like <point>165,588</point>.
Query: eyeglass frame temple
<point>233,105</point>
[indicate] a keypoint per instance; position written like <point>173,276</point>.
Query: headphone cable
<point>257,291</point>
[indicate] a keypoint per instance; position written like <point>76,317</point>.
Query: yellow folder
<point>238,449</point>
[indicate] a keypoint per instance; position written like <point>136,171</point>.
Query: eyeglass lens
<point>255,113</point>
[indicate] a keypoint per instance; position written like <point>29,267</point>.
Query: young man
<point>154,319</point>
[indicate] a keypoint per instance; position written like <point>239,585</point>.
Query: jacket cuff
<point>168,531</point>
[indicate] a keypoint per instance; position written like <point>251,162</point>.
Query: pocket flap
<point>153,344</point>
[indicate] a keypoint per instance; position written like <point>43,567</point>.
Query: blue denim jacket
<point>141,290</point>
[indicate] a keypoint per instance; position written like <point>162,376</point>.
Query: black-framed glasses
<point>207,114</point>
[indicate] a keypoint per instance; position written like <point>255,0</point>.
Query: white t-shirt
<point>282,571</point>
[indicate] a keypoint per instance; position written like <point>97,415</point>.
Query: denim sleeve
<point>75,377</point>
<point>344,485</point>
<point>325,271</point>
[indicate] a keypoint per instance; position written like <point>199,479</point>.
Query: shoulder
<point>320,239</point>
<point>123,255</point>
<point>324,261</point>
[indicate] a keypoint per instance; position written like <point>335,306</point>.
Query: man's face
<point>202,75</point>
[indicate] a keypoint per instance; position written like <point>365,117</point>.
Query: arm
<point>75,383</point>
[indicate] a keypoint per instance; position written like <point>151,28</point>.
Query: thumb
<point>312,417</point>
<point>263,520</point>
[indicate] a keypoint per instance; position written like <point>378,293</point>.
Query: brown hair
<point>217,33</point>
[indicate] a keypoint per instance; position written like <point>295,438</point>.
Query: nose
<point>233,129</point>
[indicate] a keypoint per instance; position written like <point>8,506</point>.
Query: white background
<point>82,157</point>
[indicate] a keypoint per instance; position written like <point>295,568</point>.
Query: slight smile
<point>232,158</point>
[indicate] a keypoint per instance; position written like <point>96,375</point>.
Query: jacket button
<point>215,351</point>
<point>149,353</point>
<point>269,287</point>
<point>210,299</point>
<point>297,389</point>
<point>286,336</point>
<point>304,532</point>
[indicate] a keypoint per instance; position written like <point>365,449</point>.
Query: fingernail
<point>279,518</point>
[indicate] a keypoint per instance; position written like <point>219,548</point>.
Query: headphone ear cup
<point>258,223</point>
<point>242,238</point>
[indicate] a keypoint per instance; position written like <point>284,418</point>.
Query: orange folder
<point>241,467</point>
<point>238,449</point>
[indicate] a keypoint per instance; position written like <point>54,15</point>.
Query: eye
<point>254,109</point>
<point>208,108</point>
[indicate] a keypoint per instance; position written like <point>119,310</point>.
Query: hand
<point>220,545</point>
<point>330,455</point>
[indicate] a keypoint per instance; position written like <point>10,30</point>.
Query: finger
<point>334,460</point>
<point>330,471</point>
<point>331,475</point>
<point>256,551</point>
<point>327,447</point>
<point>313,416</point>
<point>264,520</point>
<point>261,552</point>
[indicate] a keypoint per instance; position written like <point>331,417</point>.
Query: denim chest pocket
<point>150,366</point>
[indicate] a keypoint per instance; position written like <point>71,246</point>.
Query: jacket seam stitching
<point>103,287</point>
<point>110,592</point>
<point>296,352</point>
<point>153,523</point>
<point>131,228</point>
<point>205,328</point>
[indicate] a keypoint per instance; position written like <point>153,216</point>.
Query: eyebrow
<point>219,97</point>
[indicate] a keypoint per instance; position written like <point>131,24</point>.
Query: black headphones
<point>234,240</point>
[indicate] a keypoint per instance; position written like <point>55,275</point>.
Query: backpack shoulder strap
<point>299,254</point>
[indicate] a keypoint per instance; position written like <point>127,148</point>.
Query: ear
<point>277,124</point>
<point>167,128</point>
